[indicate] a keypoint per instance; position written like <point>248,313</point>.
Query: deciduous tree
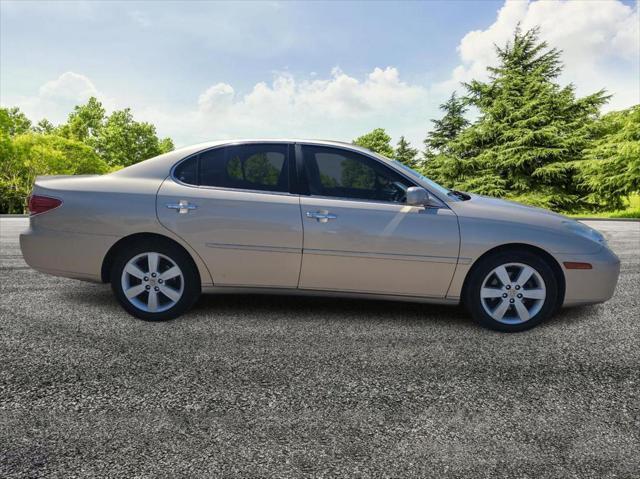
<point>14,122</point>
<point>122,141</point>
<point>84,122</point>
<point>31,154</point>
<point>376,140</point>
<point>89,143</point>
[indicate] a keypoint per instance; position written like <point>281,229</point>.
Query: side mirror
<point>418,196</point>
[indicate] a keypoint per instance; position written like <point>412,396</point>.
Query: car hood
<point>493,221</point>
<point>485,207</point>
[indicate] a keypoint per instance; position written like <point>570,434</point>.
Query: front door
<point>232,205</point>
<point>360,236</point>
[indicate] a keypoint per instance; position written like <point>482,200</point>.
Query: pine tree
<point>611,169</point>
<point>529,133</point>
<point>446,129</point>
<point>405,154</point>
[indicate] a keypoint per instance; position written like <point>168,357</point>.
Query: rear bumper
<point>587,286</point>
<point>72,255</point>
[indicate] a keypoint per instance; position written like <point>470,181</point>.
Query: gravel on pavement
<point>259,386</point>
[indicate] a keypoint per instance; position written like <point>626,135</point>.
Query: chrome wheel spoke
<point>170,273</point>
<point>534,293</point>
<point>152,258</point>
<point>152,302</point>
<point>160,295</point>
<point>170,293</point>
<point>525,274</point>
<point>491,293</point>
<point>523,312</point>
<point>498,313</point>
<point>503,276</point>
<point>133,270</point>
<point>134,291</point>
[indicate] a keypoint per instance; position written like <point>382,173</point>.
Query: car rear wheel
<point>511,291</point>
<point>155,281</point>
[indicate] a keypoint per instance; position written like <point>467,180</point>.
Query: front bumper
<point>588,286</point>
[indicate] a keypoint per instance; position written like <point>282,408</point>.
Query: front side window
<point>345,174</point>
<point>249,167</point>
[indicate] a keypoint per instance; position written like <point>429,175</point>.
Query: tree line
<point>89,142</point>
<point>530,140</point>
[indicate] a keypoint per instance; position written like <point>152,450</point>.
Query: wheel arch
<point>107,262</point>
<point>553,263</point>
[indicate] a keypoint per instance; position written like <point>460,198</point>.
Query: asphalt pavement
<point>258,386</point>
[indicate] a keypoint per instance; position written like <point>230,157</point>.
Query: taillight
<point>39,204</point>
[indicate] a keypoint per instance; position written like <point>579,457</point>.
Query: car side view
<point>309,217</point>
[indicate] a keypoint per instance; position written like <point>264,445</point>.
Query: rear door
<point>232,205</point>
<point>359,235</point>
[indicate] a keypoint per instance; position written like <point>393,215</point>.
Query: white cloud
<point>600,44</point>
<point>340,106</point>
<point>69,86</point>
<point>216,97</point>
<point>56,98</point>
<point>600,41</point>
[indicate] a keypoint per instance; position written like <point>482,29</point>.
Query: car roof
<point>240,141</point>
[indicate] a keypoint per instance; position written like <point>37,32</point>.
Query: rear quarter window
<point>187,171</point>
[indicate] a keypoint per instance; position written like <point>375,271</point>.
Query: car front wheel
<point>155,281</point>
<point>512,291</point>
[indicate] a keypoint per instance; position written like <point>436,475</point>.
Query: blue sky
<point>205,70</point>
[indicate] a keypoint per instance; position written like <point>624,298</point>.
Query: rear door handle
<point>321,216</point>
<point>183,206</point>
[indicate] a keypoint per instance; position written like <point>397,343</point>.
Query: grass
<point>631,211</point>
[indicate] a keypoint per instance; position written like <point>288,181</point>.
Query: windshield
<point>432,184</point>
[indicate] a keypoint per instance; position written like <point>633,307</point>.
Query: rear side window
<point>344,174</point>
<point>258,167</point>
<point>261,167</point>
<point>187,171</point>
<point>212,168</point>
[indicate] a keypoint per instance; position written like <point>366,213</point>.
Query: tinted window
<point>344,174</point>
<point>212,168</point>
<point>187,171</point>
<point>248,167</point>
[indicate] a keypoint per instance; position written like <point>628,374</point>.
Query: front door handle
<point>321,216</point>
<point>183,206</point>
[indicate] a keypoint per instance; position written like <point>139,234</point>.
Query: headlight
<point>585,231</point>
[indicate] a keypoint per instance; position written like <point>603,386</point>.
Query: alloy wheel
<point>513,293</point>
<point>152,282</point>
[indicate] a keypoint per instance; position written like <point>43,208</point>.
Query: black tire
<point>474,303</point>
<point>190,279</point>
